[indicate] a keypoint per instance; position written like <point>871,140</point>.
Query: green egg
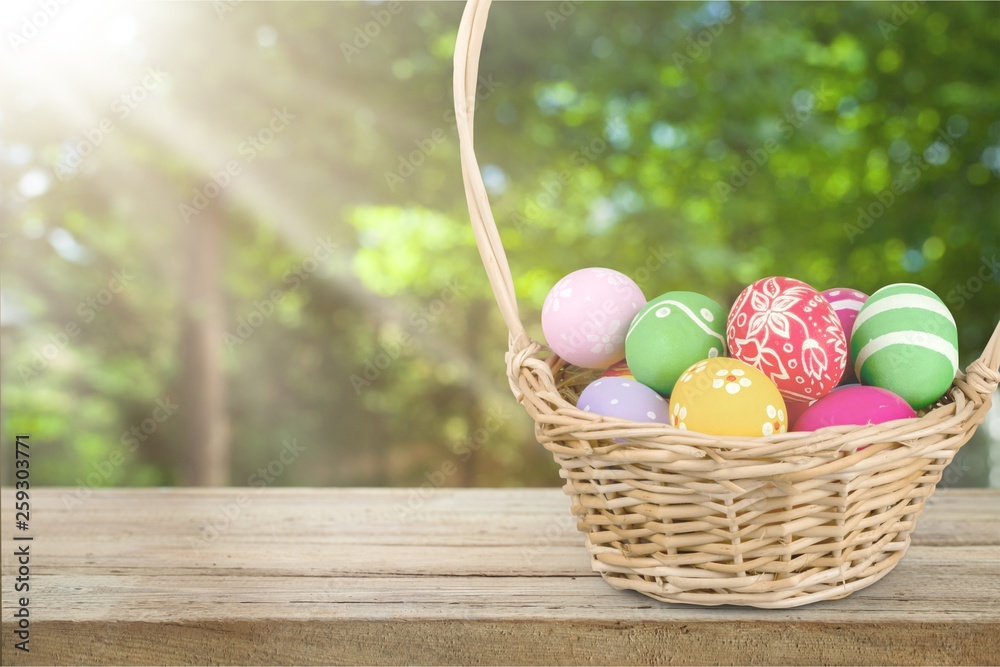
<point>905,340</point>
<point>672,332</point>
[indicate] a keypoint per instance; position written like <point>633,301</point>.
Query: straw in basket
<point>777,521</point>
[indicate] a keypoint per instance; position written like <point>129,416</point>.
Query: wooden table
<point>490,576</point>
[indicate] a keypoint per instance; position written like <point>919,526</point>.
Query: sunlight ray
<point>272,206</point>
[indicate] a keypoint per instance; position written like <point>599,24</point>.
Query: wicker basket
<point>777,521</point>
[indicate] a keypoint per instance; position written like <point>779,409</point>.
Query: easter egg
<point>854,404</point>
<point>586,315</point>
<point>786,328</point>
<point>619,369</point>
<point>624,398</point>
<point>795,408</point>
<point>905,340</point>
<point>723,396</point>
<point>846,302</point>
<point>670,333</point>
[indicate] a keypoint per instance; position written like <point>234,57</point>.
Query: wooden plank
<point>351,576</point>
<point>376,516</point>
<point>939,579</point>
<point>520,643</point>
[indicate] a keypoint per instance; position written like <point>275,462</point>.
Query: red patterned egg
<point>796,408</point>
<point>789,331</point>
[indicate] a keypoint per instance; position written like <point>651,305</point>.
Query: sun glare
<point>82,42</point>
<point>86,62</point>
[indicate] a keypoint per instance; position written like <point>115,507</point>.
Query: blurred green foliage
<point>694,146</point>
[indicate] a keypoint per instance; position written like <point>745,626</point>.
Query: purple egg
<point>624,398</point>
<point>856,405</point>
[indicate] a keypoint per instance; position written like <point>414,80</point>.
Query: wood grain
<point>498,576</point>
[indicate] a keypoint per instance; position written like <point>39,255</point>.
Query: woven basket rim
<point>532,377</point>
<point>955,407</point>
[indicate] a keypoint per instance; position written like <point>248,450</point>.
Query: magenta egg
<point>854,404</point>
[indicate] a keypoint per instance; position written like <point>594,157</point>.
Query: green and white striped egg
<point>905,340</point>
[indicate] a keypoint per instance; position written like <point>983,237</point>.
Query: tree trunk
<point>203,390</point>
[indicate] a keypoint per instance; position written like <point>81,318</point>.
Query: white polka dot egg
<point>625,398</point>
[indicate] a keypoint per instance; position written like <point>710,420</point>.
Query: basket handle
<point>467,48</point>
<point>981,374</point>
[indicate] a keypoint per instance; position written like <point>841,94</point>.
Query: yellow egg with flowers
<point>725,396</point>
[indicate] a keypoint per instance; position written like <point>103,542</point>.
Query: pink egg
<point>854,404</point>
<point>846,302</point>
<point>787,329</point>
<point>586,316</point>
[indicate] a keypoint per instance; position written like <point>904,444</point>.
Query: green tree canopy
<point>694,146</point>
